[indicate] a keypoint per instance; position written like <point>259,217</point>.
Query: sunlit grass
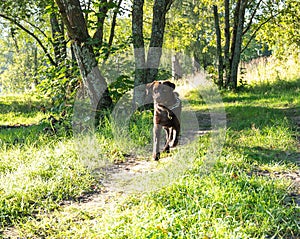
<point>268,70</point>
<point>36,180</point>
<point>21,109</point>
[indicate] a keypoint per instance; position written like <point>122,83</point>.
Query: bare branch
<point>39,29</point>
<point>252,17</point>
<point>31,34</point>
<point>257,29</point>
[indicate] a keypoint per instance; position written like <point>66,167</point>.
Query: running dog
<point>167,111</point>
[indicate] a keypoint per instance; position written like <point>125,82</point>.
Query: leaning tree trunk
<point>93,80</point>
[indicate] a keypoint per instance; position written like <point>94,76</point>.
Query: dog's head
<point>162,92</point>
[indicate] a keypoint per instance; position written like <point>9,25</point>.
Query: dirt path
<point>133,166</point>
<point>114,178</point>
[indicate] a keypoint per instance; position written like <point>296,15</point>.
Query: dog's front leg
<point>168,137</point>
<point>156,138</point>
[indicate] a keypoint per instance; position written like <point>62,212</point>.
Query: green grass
<point>232,200</point>
<point>20,109</point>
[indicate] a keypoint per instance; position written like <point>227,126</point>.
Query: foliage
<point>282,32</point>
<point>190,30</point>
<point>60,86</point>
<point>120,86</point>
<point>18,66</point>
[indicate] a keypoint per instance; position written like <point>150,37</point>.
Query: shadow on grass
<point>243,117</point>
<point>266,91</point>
<point>264,155</point>
<point>19,135</point>
<point>16,106</point>
<point>33,134</point>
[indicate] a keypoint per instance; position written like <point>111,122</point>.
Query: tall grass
<point>270,69</point>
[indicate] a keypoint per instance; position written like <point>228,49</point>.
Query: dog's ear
<point>170,84</point>
<point>149,88</point>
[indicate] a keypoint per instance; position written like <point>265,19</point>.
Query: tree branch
<point>101,15</point>
<point>252,17</point>
<point>31,34</point>
<point>112,30</point>
<point>257,29</point>
<point>39,29</point>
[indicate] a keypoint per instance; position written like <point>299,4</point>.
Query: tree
<point>17,70</point>
<point>147,67</point>
<point>87,49</point>
<point>190,30</point>
<point>82,42</point>
<point>219,46</point>
<point>248,17</point>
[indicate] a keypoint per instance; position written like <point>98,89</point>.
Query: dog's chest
<point>163,116</point>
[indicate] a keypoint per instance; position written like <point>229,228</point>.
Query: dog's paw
<point>167,149</point>
<point>156,156</point>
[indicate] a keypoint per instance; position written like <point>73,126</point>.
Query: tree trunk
<point>77,30</point>
<point>139,52</point>
<point>112,29</point>
<point>92,78</point>
<point>160,9</point>
<point>227,42</point>
<point>236,54</point>
<point>176,67</point>
<point>35,55</point>
<point>234,28</point>
<point>98,36</point>
<point>219,46</point>
<point>146,69</point>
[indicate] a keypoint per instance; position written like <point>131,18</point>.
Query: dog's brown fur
<point>167,110</point>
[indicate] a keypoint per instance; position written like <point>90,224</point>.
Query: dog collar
<point>176,105</point>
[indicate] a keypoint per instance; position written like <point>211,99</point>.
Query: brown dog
<point>167,110</point>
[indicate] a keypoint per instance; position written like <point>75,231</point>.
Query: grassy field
<point>251,191</point>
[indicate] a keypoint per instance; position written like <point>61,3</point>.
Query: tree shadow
<point>244,117</point>
<point>266,91</point>
<point>17,106</point>
<point>18,135</point>
<point>264,155</point>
